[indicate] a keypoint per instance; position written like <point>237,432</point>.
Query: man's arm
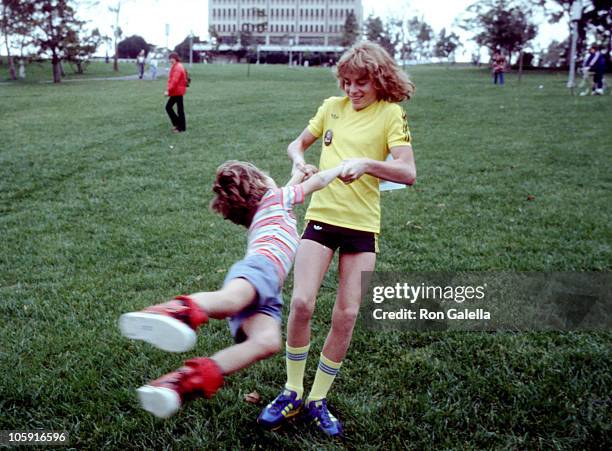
<point>401,169</point>
<point>296,150</point>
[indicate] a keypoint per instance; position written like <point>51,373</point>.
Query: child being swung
<point>251,295</point>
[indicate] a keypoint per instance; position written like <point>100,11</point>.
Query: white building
<point>313,24</point>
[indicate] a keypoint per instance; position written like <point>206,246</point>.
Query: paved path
<point>161,73</point>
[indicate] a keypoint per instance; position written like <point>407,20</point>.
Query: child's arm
<point>299,175</point>
<point>296,178</point>
<point>320,180</point>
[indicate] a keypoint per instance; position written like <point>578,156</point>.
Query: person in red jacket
<point>177,85</point>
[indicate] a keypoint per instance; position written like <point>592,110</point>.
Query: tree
<point>380,33</point>
<point>446,44</point>
<point>80,48</point>
<point>130,47</point>
<point>501,24</point>
<point>350,31</point>
<point>15,22</point>
<point>555,55</point>
<point>55,29</point>
<point>414,36</point>
<point>183,48</point>
<point>424,36</point>
<point>596,19</point>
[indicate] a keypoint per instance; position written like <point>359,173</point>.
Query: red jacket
<point>177,80</point>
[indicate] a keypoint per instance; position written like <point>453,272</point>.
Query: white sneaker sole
<point>161,331</point>
<point>161,402</point>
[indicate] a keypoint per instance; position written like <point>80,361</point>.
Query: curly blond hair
<point>238,189</point>
<point>369,60</point>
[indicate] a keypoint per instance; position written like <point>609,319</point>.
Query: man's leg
<point>311,264</point>
<point>181,121</point>
<point>344,317</point>
<point>598,80</point>
<point>338,339</point>
<point>170,111</point>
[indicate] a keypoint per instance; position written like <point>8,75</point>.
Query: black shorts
<point>349,241</point>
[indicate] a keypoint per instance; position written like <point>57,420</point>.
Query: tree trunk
<point>520,68</point>
<point>57,75</point>
<point>11,62</point>
<point>116,58</point>
<point>11,65</point>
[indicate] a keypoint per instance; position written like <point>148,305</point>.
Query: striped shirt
<point>273,232</point>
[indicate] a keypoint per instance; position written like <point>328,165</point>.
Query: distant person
<point>22,73</point>
<point>250,299</point>
<point>499,66</point>
<point>595,62</point>
<point>140,59</point>
<point>177,86</point>
<point>153,67</point>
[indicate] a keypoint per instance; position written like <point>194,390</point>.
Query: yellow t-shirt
<point>367,133</point>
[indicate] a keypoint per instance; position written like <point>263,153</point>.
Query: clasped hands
<point>352,169</point>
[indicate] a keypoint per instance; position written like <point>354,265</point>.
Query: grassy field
<point>103,211</point>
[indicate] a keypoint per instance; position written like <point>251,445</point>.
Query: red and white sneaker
<point>170,326</point>
<point>163,397</point>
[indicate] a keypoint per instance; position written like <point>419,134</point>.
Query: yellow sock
<point>295,359</point>
<point>326,373</point>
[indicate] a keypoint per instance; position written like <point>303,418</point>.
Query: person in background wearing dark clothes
<point>140,60</point>
<point>596,63</point>
<point>177,86</point>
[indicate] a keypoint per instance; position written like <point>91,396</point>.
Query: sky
<point>148,18</point>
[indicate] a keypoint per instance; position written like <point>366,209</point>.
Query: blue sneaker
<point>282,408</point>
<point>316,412</point>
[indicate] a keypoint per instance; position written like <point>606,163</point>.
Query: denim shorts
<point>258,271</point>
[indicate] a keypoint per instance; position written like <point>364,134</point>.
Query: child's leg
<point>171,326</point>
<point>263,340</point>
<point>204,376</point>
<point>232,298</point>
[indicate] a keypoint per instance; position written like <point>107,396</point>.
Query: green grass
<point>103,211</point>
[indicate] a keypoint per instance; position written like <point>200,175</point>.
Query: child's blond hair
<point>238,189</point>
<point>369,60</point>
